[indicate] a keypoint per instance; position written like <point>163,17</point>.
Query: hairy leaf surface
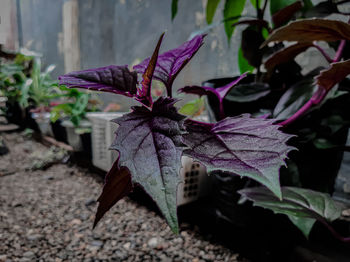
<point>117,185</point>
<point>150,146</point>
<point>170,63</point>
<point>114,79</point>
<point>309,30</point>
<point>251,147</point>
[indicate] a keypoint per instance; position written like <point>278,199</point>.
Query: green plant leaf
<point>174,4</point>
<point>193,107</point>
<point>243,64</point>
<point>304,224</point>
<point>254,3</point>
<point>276,5</point>
<point>297,203</point>
<point>210,11</point>
<point>248,92</point>
<point>233,8</point>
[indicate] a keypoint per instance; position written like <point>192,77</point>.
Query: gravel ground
<point>48,215</point>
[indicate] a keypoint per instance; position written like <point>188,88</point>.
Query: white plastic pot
<point>43,121</point>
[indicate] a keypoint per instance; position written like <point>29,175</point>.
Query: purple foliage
<point>114,79</point>
<point>245,146</point>
<point>150,146</point>
<point>170,63</point>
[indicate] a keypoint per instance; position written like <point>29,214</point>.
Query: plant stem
<point>221,109</point>
<point>326,56</point>
<point>335,233</point>
<point>314,100</point>
<point>339,51</point>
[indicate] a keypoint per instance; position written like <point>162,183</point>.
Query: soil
<point>47,215</point>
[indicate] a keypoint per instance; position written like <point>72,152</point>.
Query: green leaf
<point>174,4</point>
<point>211,8</point>
<point>297,202</point>
<point>254,3</point>
<point>233,8</point>
<point>303,223</point>
<point>276,5</point>
<point>193,107</point>
<point>248,92</point>
<point>243,64</point>
<point>322,143</point>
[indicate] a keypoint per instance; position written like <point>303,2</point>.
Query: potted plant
<point>37,94</point>
<point>72,112</point>
<point>14,78</point>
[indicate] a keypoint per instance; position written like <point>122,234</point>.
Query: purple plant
<point>152,138</point>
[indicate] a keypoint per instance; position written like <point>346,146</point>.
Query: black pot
<point>59,131</point>
<point>15,114</point>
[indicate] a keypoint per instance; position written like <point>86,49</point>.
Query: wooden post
<point>8,24</point>
<point>71,46</point>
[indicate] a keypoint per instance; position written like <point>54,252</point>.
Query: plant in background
<point>152,138</point>
<point>75,107</point>
<point>39,89</point>
<point>312,106</point>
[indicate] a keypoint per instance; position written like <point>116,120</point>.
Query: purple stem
<point>321,93</point>
<point>335,233</point>
<point>330,60</point>
<point>339,51</point>
<point>314,100</point>
<point>221,108</point>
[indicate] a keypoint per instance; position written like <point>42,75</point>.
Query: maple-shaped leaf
<point>114,79</point>
<point>245,146</point>
<point>309,30</point>
<point>170,63</point>
<point>144,94</point>
<point>150,146</point>
<point>117,185</point>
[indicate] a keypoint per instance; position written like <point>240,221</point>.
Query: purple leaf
<point>220,92</point>
<point>144,95</point>
<point>251,147</point>
<point>150,146</point>
<point>114,79</point>
<point>170,63</point>
<point>117,185</point>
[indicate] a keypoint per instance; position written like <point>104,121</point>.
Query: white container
<point>195,181</point>
<point>102,136</point>
<point>73,137</point>
<point>44,123</point>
